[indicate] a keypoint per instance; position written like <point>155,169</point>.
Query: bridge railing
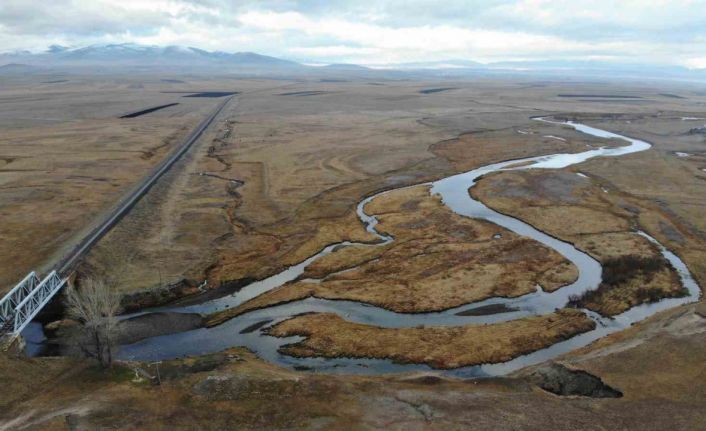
<point>36,300</point>
<point>21,291</point>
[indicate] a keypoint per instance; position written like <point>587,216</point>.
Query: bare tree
<point>96,306</point>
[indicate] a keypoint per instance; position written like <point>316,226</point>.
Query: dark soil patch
<point>427,380</point>
<point>487,310</point>
<point>304,93</point>
<point>622,100</point>
<point>212,94</point>
<point>672,96</point>
<point>601,96</point>
<point>559,380</point>
<point>437,90</point>
<point>148,110</point>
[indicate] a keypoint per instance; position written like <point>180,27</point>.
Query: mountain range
<point>130,56</point>
<point>133,55</point>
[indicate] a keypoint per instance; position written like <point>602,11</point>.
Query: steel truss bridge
<point>26,300</point>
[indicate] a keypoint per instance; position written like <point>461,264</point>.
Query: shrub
<point>620,270</point>
<point>623,268</point>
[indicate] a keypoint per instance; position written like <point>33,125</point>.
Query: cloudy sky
<point>671,32</point>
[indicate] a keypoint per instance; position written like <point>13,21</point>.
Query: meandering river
<point>454,194</point>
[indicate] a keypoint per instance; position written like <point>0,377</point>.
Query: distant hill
<point>130,57</point>
<point>445,64</point>
<point>345,66</point>
<point>16,66</point>
<point>134,55</point>
<point>17,69</point>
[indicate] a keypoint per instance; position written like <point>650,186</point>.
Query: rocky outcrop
<point>560,380</point>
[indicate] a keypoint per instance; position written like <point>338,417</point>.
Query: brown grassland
<point>330,336</point>
<point>438,260</point>
<point>601,222</point>
<point>276,178</point>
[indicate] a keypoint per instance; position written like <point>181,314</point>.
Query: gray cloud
<point>74,17</point>
<point>329,30</point>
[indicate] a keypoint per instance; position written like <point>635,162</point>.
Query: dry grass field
<point>277,178</point>
<point>66,158</point>
<point>439,260</point>
<point>330,336</point>
<point>576,209</point>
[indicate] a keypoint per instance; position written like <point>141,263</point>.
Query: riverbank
<point>329,336</point>
<point>437,261</point>
<point>235,389</point>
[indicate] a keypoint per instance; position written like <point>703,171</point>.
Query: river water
<point>454,193</point>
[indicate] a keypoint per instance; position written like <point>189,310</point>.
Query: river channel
<point>454,192</point>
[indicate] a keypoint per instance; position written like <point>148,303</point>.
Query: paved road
<point>67,262</point>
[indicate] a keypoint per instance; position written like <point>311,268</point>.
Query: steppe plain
<point>277,177</point>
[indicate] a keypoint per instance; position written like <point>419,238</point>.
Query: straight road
<point>67,262</point>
